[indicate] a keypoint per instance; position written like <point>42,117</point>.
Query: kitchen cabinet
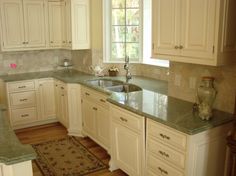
<point>127,141</point>
<point>95,115</point>
<point>46,98</point>
<point>17,169</point>
<point>194,31</point>
<point>76,20</point>
<point>23,24</point>
<point>55,15</point>
<point>170,152</point>
<point>62,103</point>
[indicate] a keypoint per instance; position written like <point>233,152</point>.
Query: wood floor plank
<point>53,131</point>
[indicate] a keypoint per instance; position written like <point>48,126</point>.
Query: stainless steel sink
<point>104,82</point>
<point>126,88</point>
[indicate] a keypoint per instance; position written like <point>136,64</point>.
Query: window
<point>123,30</point>
<point>128,32</point>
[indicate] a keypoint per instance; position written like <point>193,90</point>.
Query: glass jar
<point>206,94</point>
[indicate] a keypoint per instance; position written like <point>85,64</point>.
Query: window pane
<point>118,34</point>
<point>118,50</point>
<point>132,3</point>
<point>132,50</point>
<point>132,34</point>
<point>132,17</point>
<point>118,3</point>
<point>118,17</point>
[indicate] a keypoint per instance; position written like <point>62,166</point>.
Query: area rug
<point>66,157</point>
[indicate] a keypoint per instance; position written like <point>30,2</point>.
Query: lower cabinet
<point>127,141</point>
<point>19,169</point>
<point>170,152</point>
<point>95,114</point>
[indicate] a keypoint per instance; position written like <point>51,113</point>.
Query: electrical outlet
<point>178,80</point>
<point>192,82</point>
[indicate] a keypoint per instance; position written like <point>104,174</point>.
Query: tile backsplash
<point>31,61</point>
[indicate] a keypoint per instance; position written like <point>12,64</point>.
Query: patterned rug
<point>66,157</point>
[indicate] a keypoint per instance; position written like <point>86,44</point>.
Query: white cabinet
<point>77,24</point>
<point>61,103</point>
<point>170,152</point>
<point>19,169</point>
<point>127,141</point>
<point>23,24</point>
<point>192,31</point>
<point>95,114</point>
<point>55,13</point>
<point>46,98</point>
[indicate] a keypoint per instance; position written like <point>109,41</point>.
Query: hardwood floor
<point>40,134</point>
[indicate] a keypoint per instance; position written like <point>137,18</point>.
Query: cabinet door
<point>103,126</point>
<point>89,117</point>
<point>127,149</point>
<point>68,23</point>
<point>55,24</point>
<point>166,26</point>
<point>34,23</point>
<point>80,24</point>
<point>198,28</point>
<point>47,98</point>
<point>12,24</point>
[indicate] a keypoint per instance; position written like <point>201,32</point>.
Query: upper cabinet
<point>76,24</point>
<point>42,24</point>
<point>23,24</point>
<point>194,31</point>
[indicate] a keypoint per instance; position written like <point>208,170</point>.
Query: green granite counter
<point>167,110</point>
<point>11,150</point>
<point>152,102</point>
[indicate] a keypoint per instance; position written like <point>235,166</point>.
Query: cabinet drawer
<point>172,137</point>
<point>166,153</point>
<point>95,96</point>
<point>21,86</point>
<point>160,168</point>
<point>23,115</point>
<point>22,99</point>
<point>126,118</point>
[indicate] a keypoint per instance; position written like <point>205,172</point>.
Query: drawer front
<point>126,118</point>
<point>21,86</point>
<point>160,168</point>
<point>22,99</point>
<point>172,137</point>
<point>166,153</point>
<point>23,115</point>
<point>95,96</point>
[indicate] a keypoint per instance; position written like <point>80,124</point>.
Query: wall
<point>31,61</point>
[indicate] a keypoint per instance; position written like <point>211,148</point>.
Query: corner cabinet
<point>95,113</point>
<point>194,31</point>
<point>23,24</point>
<point>170,152</point>
<point>127,141</point>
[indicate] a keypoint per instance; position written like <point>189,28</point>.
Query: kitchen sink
<point>126,88</point>
<point>104,82</point>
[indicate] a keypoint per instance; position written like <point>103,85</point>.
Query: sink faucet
<point>126,67</point>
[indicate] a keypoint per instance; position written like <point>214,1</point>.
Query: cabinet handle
<point>181,47</point>
<point>64,42</point>
<point>62,95</point>
<point>24,115</point>
<point>70,42</point>
<point>102,100</point>
<point>176,47</point>
<point>26,42</point>
<point>164,154</point>
<point>23,42</point>
<point>62,88</point>
<point>86,93</point>
<point>56,85</point>
<point>123,119</point>
<point>23,99</point>
<point>164,136</point>
<point>40,84</point>
<point>162,170</point>
<point>51,42</point>
<point>95,109</point>
<point>21,87</point>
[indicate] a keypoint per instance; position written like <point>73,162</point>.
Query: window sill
<point>157,62</point>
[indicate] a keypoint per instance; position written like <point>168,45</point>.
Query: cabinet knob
<point>51,42</point>
<point>102,100</point>
<point>162,170</point>
<point>64,42</point>
<point>26,42</point>
<point>164,136</point>
<point>23,42</point>
<point>87,94</point>
<point>181,47</point>
<point>24,115</point>
<point>176,47</point>
<point>70,42</point>
<point>123,119</point>
<point>95,109</point>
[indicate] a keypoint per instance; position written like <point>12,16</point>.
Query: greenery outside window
<point>123,33</point>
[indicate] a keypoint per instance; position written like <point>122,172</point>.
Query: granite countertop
<point>11,150</point>
<point>152,102</point>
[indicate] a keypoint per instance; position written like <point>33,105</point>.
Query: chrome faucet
<point>126,67</point>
